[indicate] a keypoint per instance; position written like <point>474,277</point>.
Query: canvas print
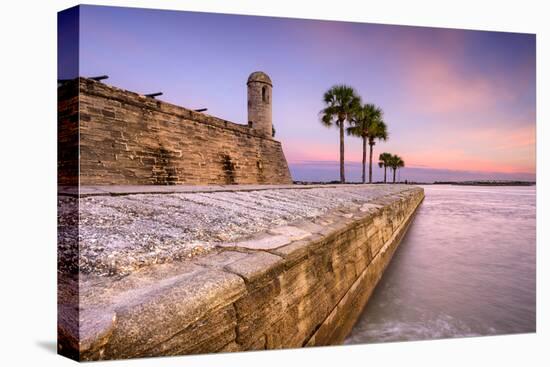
<point>230,183</point>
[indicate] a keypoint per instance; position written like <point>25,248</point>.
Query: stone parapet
<point>299,284</point>
<point>125,138</point>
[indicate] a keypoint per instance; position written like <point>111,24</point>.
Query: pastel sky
<point>454,100</point>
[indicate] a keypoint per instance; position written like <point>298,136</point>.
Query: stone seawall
<point>301,284</point>
<point>125,138</point>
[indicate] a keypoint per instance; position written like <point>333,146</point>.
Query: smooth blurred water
<point>466,267</point>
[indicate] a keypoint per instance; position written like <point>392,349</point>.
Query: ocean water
<point>466,267</point>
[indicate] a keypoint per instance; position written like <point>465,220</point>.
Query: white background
<point>28,180</point>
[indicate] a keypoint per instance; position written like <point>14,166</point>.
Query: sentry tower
<point>259,103</point>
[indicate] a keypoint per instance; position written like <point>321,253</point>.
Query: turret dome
<point>259,76</point>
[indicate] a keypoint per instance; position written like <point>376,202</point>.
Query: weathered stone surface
<point>342,318</point>
<point>297,250</point>
<point>261,242</point>
<point>293,233</point>
<point>67,135</point>
<point>68,338</point>
<point>260,103</point>
<point>256,266</point>
<point>121,234</point>
<point>96,328</point>
<point>220,259</point>
<point>126,138</point>
<point>307,292</point>
<point>152,310</point>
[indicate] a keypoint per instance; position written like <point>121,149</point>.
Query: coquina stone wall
<point>127,138</point>
<point>259,294</point>
<point>67,135</point>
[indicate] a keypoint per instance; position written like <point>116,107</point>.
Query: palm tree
<point>341,102</point>
<point>395,163</point>
<point>377,131</point>
<point>383,161</point>
<point>362,122</point>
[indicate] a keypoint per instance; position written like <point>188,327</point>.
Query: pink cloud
<point>435,85</point>
<point>479,149</point>
<point>299,150</point>
<point>451,114</point>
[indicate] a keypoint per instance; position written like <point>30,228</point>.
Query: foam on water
<point>465,268</point>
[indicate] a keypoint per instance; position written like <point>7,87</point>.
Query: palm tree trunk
<point>342,173</point>
<point>385,173</point>
<point>370,163</point>
<point>394,174</point>
<point>364,158</point>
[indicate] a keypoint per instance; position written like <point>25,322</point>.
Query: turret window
<point>265,95</point>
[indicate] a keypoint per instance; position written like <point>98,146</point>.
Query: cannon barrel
<point>201,109</point>
<point>153,95</point>
<point>99,78</point>
<point>96,78</point>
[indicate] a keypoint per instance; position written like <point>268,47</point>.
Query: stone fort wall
<point>130,139</point>
<point>307,292</point>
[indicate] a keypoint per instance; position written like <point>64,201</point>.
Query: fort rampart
<point>299,285</point>
<point>124,138</point>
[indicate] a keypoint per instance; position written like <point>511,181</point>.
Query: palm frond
<point>341,102</point>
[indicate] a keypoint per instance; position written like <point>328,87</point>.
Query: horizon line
<point>306,161</point>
